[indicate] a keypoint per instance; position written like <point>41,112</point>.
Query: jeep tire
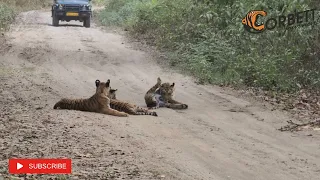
<point>86,22</point>
<point>55,21</point>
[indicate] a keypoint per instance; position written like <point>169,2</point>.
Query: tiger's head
<point>112,93</point>
<point>103,88</point>
<point>167,90</point>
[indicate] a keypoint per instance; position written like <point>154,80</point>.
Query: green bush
<point>99,2</point>
<point>9,8</point>
<point>206,38</point>
<point>6,16</point>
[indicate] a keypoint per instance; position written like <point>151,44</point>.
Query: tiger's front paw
<point>185,106</point>
<point>124,114</point>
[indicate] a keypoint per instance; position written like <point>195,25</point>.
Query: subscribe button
<point>39,166</point>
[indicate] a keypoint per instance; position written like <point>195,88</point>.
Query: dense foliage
<point>9,8</point>
<point>6,15</point>
<point>206,38</point>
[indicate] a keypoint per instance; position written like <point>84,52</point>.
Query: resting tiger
<point>99,102</point>
<point>127,107</point>
<point>161,95</point>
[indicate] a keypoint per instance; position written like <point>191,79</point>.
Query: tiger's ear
<point>108,83</point>
<point>97,82</point>
<point>172,84</point>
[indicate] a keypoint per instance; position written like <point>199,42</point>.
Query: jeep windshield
<point>73,1</point>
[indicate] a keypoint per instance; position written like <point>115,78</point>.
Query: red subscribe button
<point>40,166</point>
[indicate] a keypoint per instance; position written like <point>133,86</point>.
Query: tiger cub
<point>161,95</point>
<point>127,107</point>
<point>99,102</point>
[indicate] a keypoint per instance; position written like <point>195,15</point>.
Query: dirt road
<point>220,136</point>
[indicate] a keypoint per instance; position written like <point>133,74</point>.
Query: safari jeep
<point>67,10</point>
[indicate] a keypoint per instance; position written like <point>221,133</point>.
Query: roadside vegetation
<point>99,2</point>
<point>10,8</point>
<point>206,39</point>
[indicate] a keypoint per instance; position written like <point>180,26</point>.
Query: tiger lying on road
<point>127,107</point>
<point>161,95</point>
<point>99,102</point>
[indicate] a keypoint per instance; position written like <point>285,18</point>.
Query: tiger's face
<point>112,93</point>
<point>167,90</point>
<point>103,87</point>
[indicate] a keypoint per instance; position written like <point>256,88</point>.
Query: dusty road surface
<point>220,136</point>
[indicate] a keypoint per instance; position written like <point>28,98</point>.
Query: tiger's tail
<point>149,95</point>
<point>143,111</point>
<point>152,113</point>
<point>130,109</point>
<point>153,107</point>
<point>155,87</point>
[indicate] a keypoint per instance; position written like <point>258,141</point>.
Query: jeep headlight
<point>60,7</point>
<point>86,7</point>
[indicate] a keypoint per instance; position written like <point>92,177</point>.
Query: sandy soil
<point>220,137</point>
